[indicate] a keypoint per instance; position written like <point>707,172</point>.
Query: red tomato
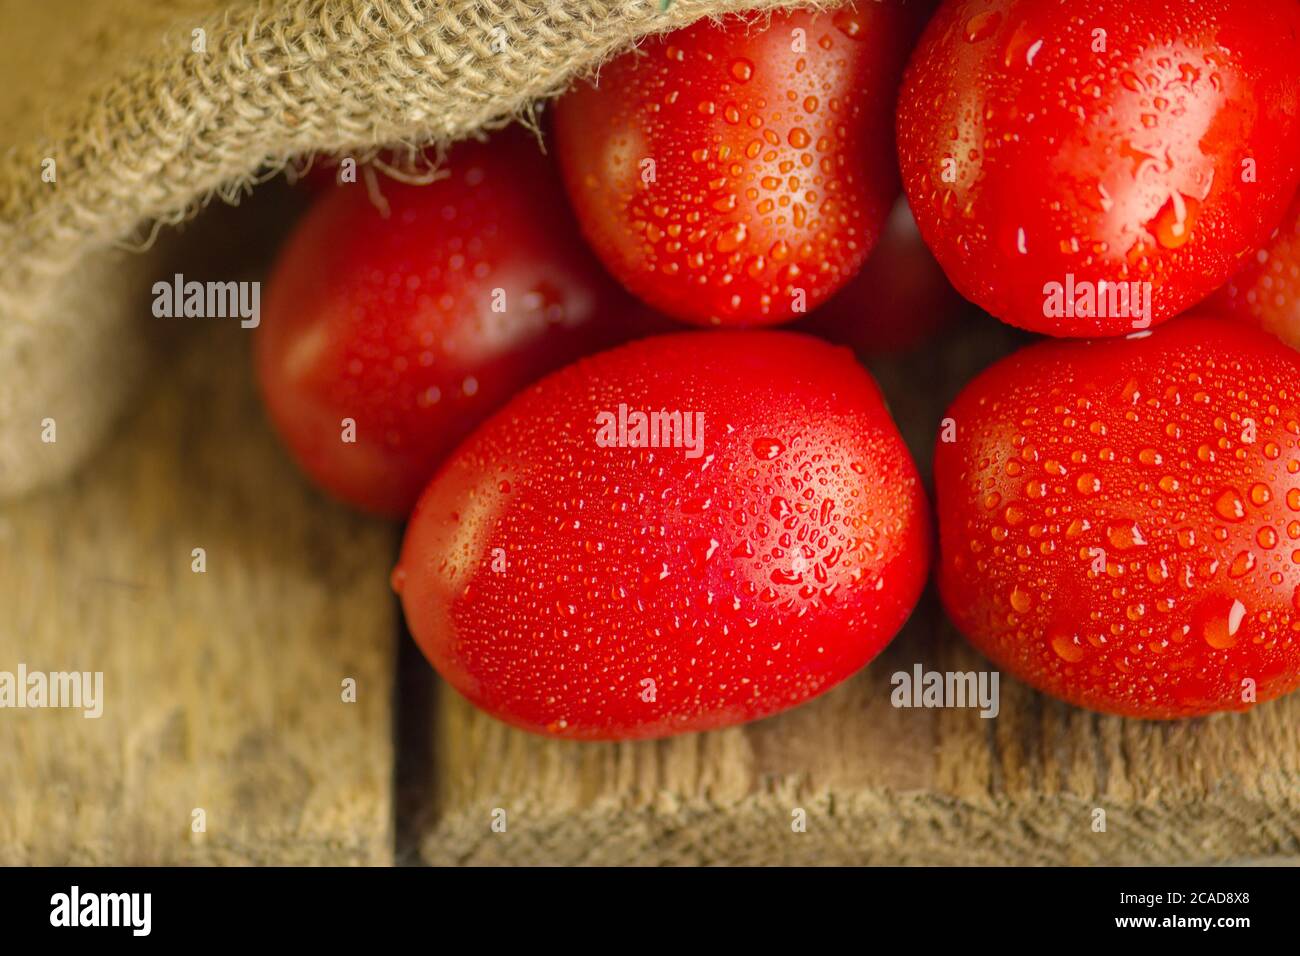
<point>1266,290</point>
<point>1119,520</point>
<point>417,325</point>
<point>900,299</point>
<point>739,174</point>
<point>1050,147</point>
<point>574,582</point>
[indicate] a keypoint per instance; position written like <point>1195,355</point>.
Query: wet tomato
<point>738,174</point>
<point>569,577</point>
<point>1091,169</point>
<point>389,334</point>
<point>1120,519</point>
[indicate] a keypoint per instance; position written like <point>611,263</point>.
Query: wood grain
<point>879,785</point>
<point>223,693</point>
<point>222,689</point>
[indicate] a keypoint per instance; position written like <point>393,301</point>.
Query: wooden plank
<point>879,785</point>
<point>222,690</point>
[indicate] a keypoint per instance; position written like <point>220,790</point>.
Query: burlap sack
<point>117,116</point>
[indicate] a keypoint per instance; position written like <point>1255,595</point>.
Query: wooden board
<point>878,785</point>
<point>222,689</point>
<point>223,692</point>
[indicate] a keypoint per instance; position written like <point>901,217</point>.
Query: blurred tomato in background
<point>899,300</point>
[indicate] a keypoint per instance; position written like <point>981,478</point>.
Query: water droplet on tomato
<point>1125,537</point>
<point>701,550</point>
<point>1229,505</point>
<point>1172,225</point>
<point>782,576</point>
<point>1068,649</point>
<point>1242,565</point>
<point>729,239</point>
<point>742,69</point>
<point>1219,621</point>
<point>1157,572</point>
<point>849,22</point>
<point>982,25</point>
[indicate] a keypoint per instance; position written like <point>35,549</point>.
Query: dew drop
<point>1125,537</point>
<point>1088,484</point>
<point>1172,225</point>
<point>849,23</point>
<point>1229,505</point>
<point>1220,621</point>
<point>782,576</point>
<point>1020,600</point>
<point>1242,565</point>
<point>1068,649</point>
<point>982,25</point>
<point>729,239</point>
<point>742,69</point>
<point>701,550</point>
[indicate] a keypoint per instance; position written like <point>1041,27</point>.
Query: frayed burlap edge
<point>172,128</point>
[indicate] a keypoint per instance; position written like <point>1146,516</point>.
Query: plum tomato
<point>1119,519</point>
<point>739,173</point>
<point>1266,290</point>
<point>679,534</point>
<point>387,336</point>
<point>899,300</point>
<point>1094,168</point>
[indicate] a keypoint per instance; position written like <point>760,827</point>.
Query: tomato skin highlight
<point>773,169</point>
<point>1120,519</point>
<point>396,321</point>
<point>1124,164</point>
<point>740,582</point>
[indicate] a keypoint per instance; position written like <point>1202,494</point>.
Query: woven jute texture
<point>140,129</point>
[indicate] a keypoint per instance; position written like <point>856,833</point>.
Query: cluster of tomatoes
<point>620,530</point>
